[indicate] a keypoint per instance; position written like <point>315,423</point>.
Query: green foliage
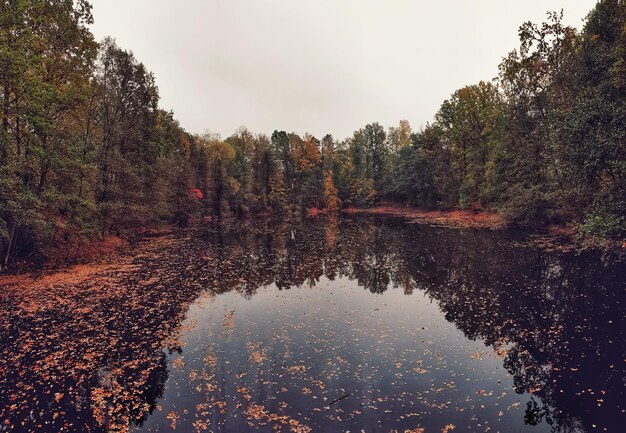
<point>470,125</point>
<point>603,224</point>
<point>362,192</point>
<point>411,179</point>
<point>86,151</point>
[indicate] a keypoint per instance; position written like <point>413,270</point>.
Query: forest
<point>86,150</point>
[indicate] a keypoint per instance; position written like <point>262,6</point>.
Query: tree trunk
<point>18,138</point>
<point>7,255</point>
<point>5,107</point>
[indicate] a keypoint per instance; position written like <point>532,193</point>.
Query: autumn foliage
<point>85,150</point>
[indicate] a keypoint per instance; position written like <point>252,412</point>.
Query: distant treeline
<point>86,150</point>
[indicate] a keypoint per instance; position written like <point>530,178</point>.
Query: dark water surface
<point>356,324</point>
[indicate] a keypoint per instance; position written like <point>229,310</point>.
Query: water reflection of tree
<point>558,317</point>
<point>550,312</point>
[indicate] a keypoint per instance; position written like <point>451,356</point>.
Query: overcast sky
<point>317,66</point>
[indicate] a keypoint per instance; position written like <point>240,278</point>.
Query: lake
<point>359,324</point>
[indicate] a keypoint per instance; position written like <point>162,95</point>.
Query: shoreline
<point>102,259</point>
<point>549,238</point>
<point>99,253</point>
<point>453,218</point>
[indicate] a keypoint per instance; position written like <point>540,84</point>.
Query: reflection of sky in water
<point>406,318</point>
<point>295,351</point>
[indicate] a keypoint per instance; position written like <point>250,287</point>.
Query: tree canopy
<point>85,149</point>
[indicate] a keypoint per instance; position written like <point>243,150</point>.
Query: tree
<point>222,184</point>
<point>128,117</point>
<point>331,196</point>
<point>470,124</point>
<point>46,58</point>
<point>400,137</point>
<point>589,128</point>
<point>527,77</point>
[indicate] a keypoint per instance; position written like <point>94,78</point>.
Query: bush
<point>603,224</point>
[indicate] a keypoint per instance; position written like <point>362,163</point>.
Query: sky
<point>317,66</point>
